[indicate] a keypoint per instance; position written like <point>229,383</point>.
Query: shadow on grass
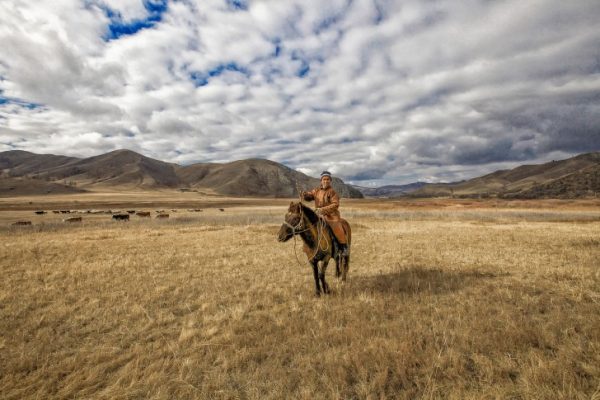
<point>420,280</point>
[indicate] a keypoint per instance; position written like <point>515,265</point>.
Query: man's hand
<point>319,212</point>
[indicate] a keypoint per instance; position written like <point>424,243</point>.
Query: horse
<point>320,244</point>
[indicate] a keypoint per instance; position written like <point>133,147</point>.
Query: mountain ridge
<point>126,168</point>
<point>577,176</point>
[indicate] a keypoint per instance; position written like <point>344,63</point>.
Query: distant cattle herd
<point>116,215</point>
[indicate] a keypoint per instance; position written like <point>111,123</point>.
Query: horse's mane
<point>309,212</point>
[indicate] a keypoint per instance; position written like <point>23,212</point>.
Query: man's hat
<point>325,173</point>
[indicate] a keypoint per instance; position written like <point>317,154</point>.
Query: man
<point>327,202</point>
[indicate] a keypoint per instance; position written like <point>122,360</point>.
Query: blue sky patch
<point>18,102</point>
<point>303,70</point>
<point>202,78</point>
<point>118,27</point>
<point>199,79</point>
<point>241,5</point>
<point>227,67</point>
<point>278,48</point>
<point>304,65</point>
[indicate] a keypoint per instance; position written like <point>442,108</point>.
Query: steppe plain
<point>446,299</point>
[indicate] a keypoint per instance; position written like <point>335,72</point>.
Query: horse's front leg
<point>322,270</point>
<point>315,266</point>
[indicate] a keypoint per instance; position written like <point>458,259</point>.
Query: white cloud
<point>376,91</point>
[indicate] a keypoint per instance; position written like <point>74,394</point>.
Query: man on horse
<point>327,202</point>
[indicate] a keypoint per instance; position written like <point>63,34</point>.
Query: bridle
<point>298,228</point>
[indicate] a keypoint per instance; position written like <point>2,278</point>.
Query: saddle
<point>345,226</point>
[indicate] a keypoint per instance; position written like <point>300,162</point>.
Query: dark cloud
<point>367,175</point>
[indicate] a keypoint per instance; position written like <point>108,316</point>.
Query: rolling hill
<point>574,177</point>
<point>28,186</point>
<point>255,177</point>
<point>130,170</point>
<point>23,172</point>
<point>23,163</point>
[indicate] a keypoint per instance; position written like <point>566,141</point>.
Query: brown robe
<point>328,201</point>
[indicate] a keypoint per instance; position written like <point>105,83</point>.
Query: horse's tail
<point>344,260</point>
<point>348,231</point>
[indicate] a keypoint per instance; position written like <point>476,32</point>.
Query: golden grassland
<point>445,300</point>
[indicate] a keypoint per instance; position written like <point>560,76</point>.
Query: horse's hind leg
<point>316,274</point>
<point>345,261</point>
<point>338,273</point>
<point>322,276</point>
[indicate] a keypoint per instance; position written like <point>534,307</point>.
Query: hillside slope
<point>23,186</point>
<point>255,177</point>
<point>574,176</point>
<point>120,168</point>
<point>130,170</point>
<point>22,163</point>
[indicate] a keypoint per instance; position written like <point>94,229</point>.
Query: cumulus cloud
<point>377,91</point>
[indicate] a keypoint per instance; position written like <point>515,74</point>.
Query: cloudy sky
<point>377,91</point>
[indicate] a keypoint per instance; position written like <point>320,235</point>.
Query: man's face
<point>325,182</point>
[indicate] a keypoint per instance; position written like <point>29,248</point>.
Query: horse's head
<point>293,222</point>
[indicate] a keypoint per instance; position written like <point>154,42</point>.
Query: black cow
<point>120,217</point>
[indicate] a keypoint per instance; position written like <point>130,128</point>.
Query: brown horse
<point>320,244</point>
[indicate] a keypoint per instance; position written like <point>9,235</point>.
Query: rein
<point>320,226</point>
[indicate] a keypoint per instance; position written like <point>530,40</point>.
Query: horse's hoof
<point>317,294</point>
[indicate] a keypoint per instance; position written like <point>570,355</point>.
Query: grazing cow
<point>221,209</point>
<point>160,211</point>
<point>20,223</point>
<point>130,211</point>
<point>162,216</point>
<point>73,219</point>
<point>56,211</point>
<point>40,212</point>
<point>143,214</point>
<point>120,217</point>
<point>65,211</point>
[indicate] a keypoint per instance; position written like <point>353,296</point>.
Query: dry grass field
<point>445,300</point>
